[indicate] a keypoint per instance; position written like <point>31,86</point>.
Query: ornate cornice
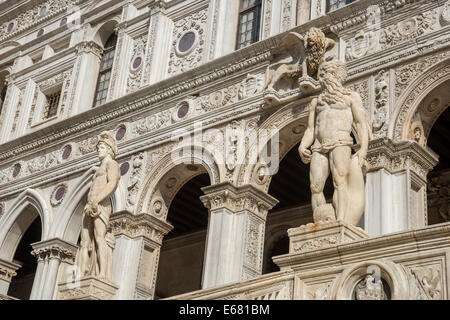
<point>237,199</point>
<point>399,156</point>
<point>55,249</point>
<point>142,225</point>
<point>8,270</point>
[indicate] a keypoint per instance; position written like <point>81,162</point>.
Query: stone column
<point>87,65</point>
<point>235,239</point>
<point>7,272</point>
<point>138,243</point>
<point>50,254</point>
<point>396,186</point>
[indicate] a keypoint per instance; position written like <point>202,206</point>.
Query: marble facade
<point>397,56</point>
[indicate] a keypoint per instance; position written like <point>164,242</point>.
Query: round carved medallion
<point>40,33</point>
<point>58,194</point>
<point>186,41</point>
<point>63,22</point>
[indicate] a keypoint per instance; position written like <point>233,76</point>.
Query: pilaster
<point>87,65</point>
<point>50,254</point>
<point>396,186</point>
<point>235,239</point>
<point>138,239</point>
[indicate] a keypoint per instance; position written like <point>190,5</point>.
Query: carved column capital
<point>141,225</point>
<point>8,270</point>
<point>90,47</point>
<point>399,156</point>
<point>55,249</point>
<point>237,199</point>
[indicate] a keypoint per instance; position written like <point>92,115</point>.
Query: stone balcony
<point>411,264</point>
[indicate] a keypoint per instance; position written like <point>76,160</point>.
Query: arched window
<point>104,76</point>
<point>249,23</point>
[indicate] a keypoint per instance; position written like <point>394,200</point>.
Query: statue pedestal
<point>320,235</point>
<point>89,288</point>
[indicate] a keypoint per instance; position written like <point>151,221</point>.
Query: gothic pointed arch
<point>15,222</point>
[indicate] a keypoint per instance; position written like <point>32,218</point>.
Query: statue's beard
<point>333,91</point>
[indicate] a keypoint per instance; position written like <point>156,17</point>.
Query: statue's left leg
<point>102,253</point>
<point>340,164</point>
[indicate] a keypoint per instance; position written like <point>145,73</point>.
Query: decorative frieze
<point>33,17</point>
<point>408,29</point>
<point>87,289</point>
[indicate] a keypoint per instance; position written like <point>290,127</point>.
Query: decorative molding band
<point>237,199</point>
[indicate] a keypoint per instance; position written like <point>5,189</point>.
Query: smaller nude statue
<point>94,256</point>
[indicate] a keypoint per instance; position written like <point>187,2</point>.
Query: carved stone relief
<point>319,291</point>
<point>362,44</point>
<point>371,288</point>
<point>135,179</point>
<point>32,16</point>
<point>137,64</point>
<point>181,61</point>
<point>380,121</point>
<point>408,29</point>
<point>427,282</point>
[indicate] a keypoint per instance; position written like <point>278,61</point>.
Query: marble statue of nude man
<point>97,212</point>
<point>330,121</point>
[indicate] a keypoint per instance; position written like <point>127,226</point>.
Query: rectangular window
<point>249,23</point>
<point>104,77</point>
<point>336,4</point>
<point>51,105</point>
